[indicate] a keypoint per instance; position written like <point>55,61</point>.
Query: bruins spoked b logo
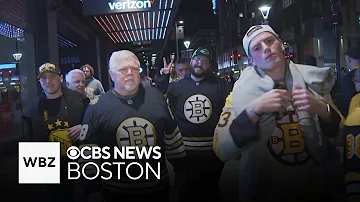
<point>197,109</point>
<point>287,144</point>
<point>136,132</point>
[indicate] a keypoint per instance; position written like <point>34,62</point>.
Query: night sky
<point>197,15</point>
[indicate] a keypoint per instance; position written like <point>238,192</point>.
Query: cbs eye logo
<point>73,153</point>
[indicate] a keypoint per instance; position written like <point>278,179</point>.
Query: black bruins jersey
<point>142,120</point>
<point>196,106</point>
<point>352,155</point>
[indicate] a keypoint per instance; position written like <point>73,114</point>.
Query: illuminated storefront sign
<point>96,7</point>
<point>129,5</point>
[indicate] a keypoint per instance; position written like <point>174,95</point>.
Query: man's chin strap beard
<point>197,77</point>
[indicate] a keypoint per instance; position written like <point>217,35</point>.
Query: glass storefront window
<point>15,88</point>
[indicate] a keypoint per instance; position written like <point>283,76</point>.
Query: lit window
<point>241,15</point>
<point>287,3</point>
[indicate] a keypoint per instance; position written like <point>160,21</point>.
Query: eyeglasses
<point>198,60</point>
<point>125,70</point>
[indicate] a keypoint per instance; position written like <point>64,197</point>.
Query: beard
<point>199,74</point>
<point>132,86</point>
<point>129,87</point>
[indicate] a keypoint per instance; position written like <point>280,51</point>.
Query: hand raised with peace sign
<point>166,69</point>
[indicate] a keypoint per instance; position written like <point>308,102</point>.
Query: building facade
<point>305,25</point>
<point>33,33</point>
<point>235,17</point>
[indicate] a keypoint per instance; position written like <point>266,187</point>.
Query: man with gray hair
<point>277,120</point>
<point>75,80</point>
<point>124,116</point>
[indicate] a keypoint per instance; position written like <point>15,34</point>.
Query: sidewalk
<point>9,142</point>
<point>9,139</point>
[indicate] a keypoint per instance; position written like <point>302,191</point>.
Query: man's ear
<point>282,46</point>
<point>110,73</point>
<point>251,61</point>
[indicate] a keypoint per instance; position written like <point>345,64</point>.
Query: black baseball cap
<point>353,53</point>
<point>201,51</point>
<point>48,67</point>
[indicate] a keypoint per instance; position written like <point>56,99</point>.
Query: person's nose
<point>129,72</point>
<point>265,47</point>
<point>47,80</point>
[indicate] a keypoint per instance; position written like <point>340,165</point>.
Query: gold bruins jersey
<point>142,120</point>
<point>352,155</point>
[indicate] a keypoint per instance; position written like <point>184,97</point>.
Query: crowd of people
<point>278,120</point>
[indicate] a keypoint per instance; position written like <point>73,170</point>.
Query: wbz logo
<point>39,163</point>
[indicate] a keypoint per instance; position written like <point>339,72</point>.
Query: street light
<point>147,68</point>
<point>187,44</point>
<point>265,10</point>
<point>187,52</point>
<point>17,56</point>
<point>335,6</point>
<point>179,28</point>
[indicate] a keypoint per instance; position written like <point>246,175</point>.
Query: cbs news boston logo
<point>39,162</point>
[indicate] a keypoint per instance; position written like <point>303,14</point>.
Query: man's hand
<point>303,100</point>
<point>275,100</point>
<point>167,67</point>
<point>74,132</point>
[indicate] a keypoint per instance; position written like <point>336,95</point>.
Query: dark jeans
<point>158,196</point>
<point>61,192</point>
<point>202,185</point>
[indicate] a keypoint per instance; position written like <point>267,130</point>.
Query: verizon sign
<point>102,7</point>
<point>129,5</point>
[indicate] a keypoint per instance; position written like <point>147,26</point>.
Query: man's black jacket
<point>162,82</point>
<point>33,119</point>
<point>348,91</point>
